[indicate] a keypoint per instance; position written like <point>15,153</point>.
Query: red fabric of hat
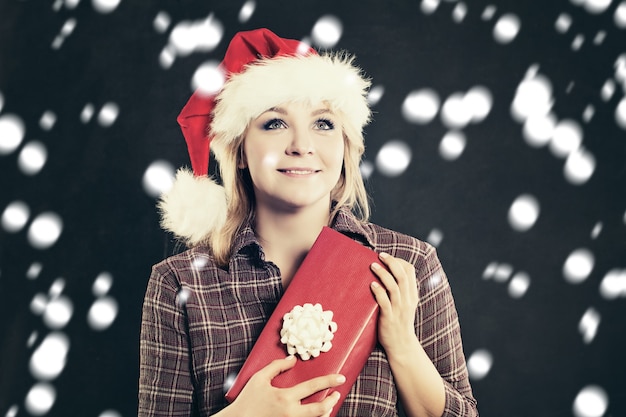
<point>244,48</point>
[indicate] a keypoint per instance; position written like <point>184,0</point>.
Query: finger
<point>380,294</point>
<point>389,281</point>
<point>403,272</point>
<point>324,407</point>
<point>313,385</point>
<point>277,366</point>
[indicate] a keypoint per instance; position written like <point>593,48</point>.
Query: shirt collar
<point>345,222</point>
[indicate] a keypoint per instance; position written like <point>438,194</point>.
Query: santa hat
<point>262,71</point>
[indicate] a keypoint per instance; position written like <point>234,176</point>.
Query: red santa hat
<point>262,71</point>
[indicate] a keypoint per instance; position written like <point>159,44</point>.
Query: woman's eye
<point>274,124</point>
<point>324,124</point>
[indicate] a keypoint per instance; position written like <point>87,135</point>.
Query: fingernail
<point>375,284</point>
<point>383,255</point>
<point>290,357</point>
<point>376,266</point>
<point>341,379</point>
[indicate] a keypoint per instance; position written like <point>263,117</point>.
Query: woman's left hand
<point>397,299</point>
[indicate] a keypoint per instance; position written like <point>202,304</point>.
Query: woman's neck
<point>287,237</point>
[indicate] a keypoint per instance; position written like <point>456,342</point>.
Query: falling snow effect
<point>537,111</point>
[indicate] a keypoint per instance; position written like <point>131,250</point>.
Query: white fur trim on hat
<point>267,83</point>
<point>193,207</point>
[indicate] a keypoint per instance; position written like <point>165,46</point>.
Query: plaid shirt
<point>200,321</point>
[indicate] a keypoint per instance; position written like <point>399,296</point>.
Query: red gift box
<point>336,274</point>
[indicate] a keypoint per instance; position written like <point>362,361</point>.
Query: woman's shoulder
<point>397,243</point>
<point>185,263</point>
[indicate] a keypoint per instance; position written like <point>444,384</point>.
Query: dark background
<point>93,174</point>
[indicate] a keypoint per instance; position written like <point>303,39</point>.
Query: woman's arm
<point>424,349</point>
<point>165,382</point>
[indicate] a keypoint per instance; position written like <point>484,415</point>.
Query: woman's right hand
<point>259,398</point>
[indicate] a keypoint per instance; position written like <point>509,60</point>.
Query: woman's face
<point>294,153</point>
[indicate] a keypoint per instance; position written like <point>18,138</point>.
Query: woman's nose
<point>301,142</point>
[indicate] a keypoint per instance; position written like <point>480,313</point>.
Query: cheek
<point>269,160</point>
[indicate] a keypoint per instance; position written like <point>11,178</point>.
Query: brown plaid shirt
<point>200,321</point>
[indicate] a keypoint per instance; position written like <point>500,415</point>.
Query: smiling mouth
<point>298,171</point>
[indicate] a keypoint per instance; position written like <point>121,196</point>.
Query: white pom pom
<point>193,207</point>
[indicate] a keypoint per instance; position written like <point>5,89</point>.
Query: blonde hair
<point>349,192</point>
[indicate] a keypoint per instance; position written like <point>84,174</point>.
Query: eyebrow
<point>282,111</point>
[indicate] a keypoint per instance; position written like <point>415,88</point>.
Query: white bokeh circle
<point>524,212</point>
<point>591,401</point>
<point>420,106</point>
<point>208,78</point>
<point>45,230</point>
<point>12,131</point>
<point>506,28</point>
<point>40,399</point>
<point>15,216</point>
<point>158,178</point>
<point>479,364</point>
<point>327,31</point>
<point>393,158</point>
<point>452,145</point>
<point>102,313</point>
<point>578,265</point>
<point>32,157</point>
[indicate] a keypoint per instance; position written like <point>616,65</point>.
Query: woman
<point>286,129</point>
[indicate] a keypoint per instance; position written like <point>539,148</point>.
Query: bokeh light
<point>533,97</point>
<point>596,6</point>
<point>588,325</point>
<point>87,113</point>
<point>393,158</point>
<point>208,78</point>
<point>435,237</point>
<point>366,168</point>
<point>105,6</point>
<point>48,120</point>
<point>566,138</point>
<point>518,286</point>
<point>420,106</point>
<point>109,413</point>
<point>108,114</point>
<point>12,132</point>
<point>563,23</point>
<point>591,401</point>
<point>158,178</point>
<point>506,28</point>
<point>200,36</point>
<point>327,31</point>
<point>33,270</point>
<point>45,230</point>
<point>58,312</point>
<point>613,284</point>
<point>40,399</point>
<point>578,266</point>
<point>49,359</point>
<point>246,11</point>
<point>455,112</point>
<point>102,313</point>
<point>452,145</point>
<point>620,15</point>
<point>32,157</point>
<point>429,6</point>
<point>15,216</point>
<point>102,284</point>
<point>38,304</point>
<point>579,166</point>
<point>162,22</point>
<point>620,113</point>
<point>375,94</point>
<point>479,101</point>
<point>524,212</point>
<point>538,129</point>
<point>479,364</point>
